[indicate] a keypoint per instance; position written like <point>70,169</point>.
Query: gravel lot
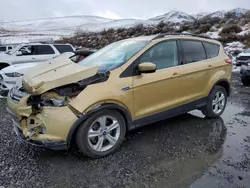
<point>186,151</point>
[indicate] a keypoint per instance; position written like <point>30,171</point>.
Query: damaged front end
<point>46,119</point>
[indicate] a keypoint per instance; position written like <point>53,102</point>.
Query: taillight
<point>229,61</point>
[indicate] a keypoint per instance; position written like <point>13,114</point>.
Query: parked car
<point>12,75</point>
<point>245,74</point>
<point>125,85</point>
<point>33,53</point>
<point>6,48</point>
<point>243,58</point>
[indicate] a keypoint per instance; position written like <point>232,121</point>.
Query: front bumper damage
<point>49,129</point>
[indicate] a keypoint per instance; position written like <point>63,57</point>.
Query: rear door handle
<point>33,58</point>
<point>210,66</point>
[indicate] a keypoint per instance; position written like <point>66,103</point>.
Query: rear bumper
<point>43,143</point>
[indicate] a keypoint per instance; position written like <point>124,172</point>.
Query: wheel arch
<point>109,106</point>
<point>4,65</point>
<point>225,84</point>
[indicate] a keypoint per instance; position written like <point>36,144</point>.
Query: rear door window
<point>63,48</point>
<point>211,49</point>
<point>193,51</point>
<point>44,50</point>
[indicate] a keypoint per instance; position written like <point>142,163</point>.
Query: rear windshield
<point>248,50</point>
<point>64,48</point>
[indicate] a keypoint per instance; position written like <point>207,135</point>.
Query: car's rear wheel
<point>245,81</point>
<point>101,134</point>
<point>217,101</point>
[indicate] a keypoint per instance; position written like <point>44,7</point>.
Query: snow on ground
<point>214,35</point>
<point>245,30</point>
<point>236,69</point>
<point>233,46</point>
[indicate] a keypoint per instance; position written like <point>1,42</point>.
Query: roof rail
<point>162,35</point>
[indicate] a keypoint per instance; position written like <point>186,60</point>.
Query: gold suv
<point>123,86</point>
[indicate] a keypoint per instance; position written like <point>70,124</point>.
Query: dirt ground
<point>186,151</point>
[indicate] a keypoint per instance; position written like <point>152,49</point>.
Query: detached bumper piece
<point>45,143</point>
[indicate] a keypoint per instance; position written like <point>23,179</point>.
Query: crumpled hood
<point>20,68</point>
<point>55,73</point>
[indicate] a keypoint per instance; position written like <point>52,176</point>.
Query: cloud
<point>31,9</point>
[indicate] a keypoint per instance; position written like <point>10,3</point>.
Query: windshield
<point>248,50</point>
<point>114,55</point>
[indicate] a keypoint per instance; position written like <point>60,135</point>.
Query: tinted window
<point>211,49</point>
<point>44,50</point>
<point>64,48</point>
<point>2,49</point>
<point>193,51</point>
<point>164,55</point>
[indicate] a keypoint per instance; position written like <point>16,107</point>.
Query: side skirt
<point>169,113</point>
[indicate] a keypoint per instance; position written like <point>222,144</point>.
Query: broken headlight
<point>53,99</point>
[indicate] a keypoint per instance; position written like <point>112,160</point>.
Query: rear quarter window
<point>64,48</point>
<point>211,49</point>
<point>193,51</point>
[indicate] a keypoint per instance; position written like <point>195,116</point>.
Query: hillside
<point>223,26</point>
<point>209,24</point>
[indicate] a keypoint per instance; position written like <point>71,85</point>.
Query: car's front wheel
<point>217,101</point>
<point>101,134</point>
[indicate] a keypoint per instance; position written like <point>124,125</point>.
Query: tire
<point>89,145</point>
<point>209,110</point>
<point>245,81</point>
<point>3,65</point>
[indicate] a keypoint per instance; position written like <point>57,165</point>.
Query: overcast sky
<point>32,9</point>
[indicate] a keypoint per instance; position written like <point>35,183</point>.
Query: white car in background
<point>6,48</point>
<point>33,53</point>
<point>243,58</point>
<point>13,75</point>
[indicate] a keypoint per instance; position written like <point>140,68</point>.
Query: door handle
<point>210,66</point>
<point>175,75</point>
<point>33,58</point>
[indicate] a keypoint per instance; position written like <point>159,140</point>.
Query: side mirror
<point>19,53</point>
<point>147,67</point>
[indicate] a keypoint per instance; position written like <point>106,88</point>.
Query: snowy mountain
<point>47,24</point>
<point>174,16</point>
<point>66,26</point>
<point>217,14</point>
<point>200,15</point>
